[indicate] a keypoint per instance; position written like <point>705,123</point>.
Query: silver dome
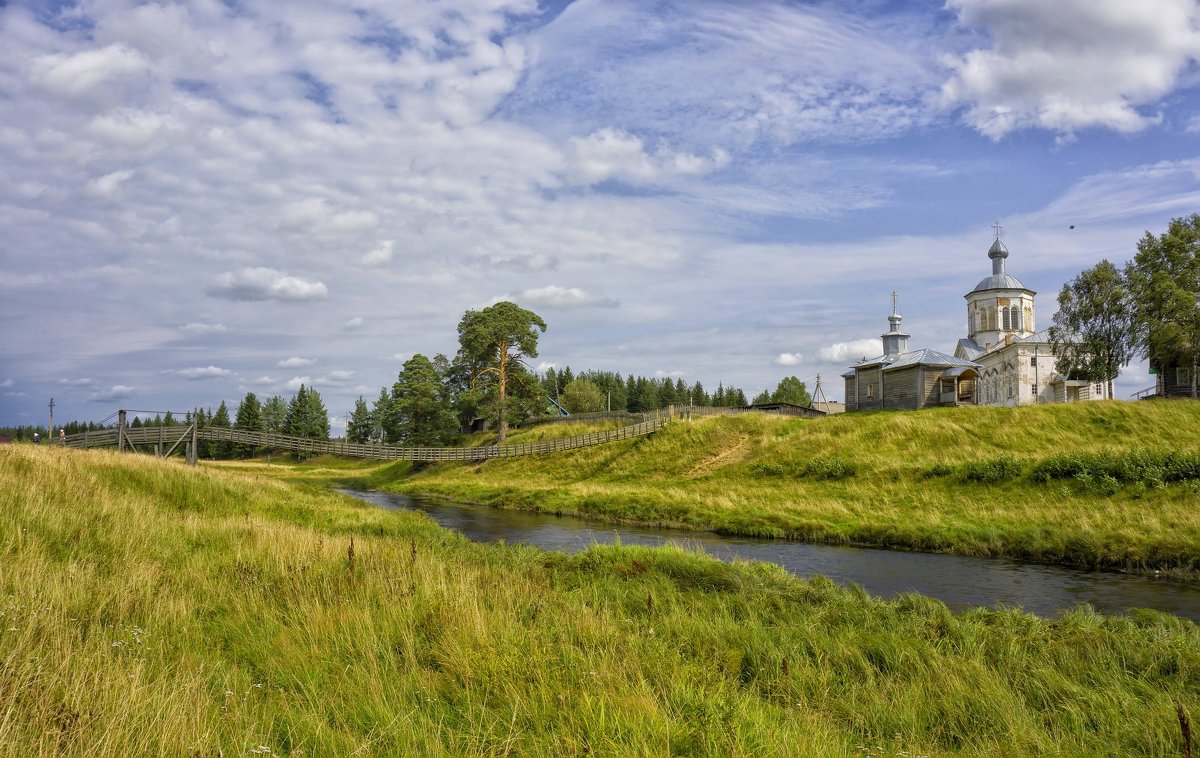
<point>999,282</point>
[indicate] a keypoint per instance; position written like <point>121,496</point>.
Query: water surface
<point>958,581</point>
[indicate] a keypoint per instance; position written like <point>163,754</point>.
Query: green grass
<point>147,608</point>
<point>971,481</point>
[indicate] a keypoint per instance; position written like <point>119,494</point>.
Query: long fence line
<point>162,436</point>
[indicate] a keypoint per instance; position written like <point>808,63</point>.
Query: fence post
<point>121,431</point>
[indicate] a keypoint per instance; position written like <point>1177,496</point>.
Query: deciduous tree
<point>1164,282</point>
<point>1093,334</point>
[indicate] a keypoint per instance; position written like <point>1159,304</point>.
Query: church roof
<point>925,357</point>
<point>999,282</point>
<point>970,348</point>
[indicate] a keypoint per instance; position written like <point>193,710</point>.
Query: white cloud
<point>265,284</point>
<point>354,323</point>
<point>542,367</point>
<point>261,380</point>
<point>7,383</point>
<point>117,392</point>
<point>1071,64</point>
<point>197,327</point>
<point>849,352</point>
<point>14,394</point>
<point>107,186</point>
<point>80,382</point>
<point>554,296</point>
<point>615,154</point>
<point>295,362</point>
<point>788,359</point>
<point>295,382</point>
<point>203,372</point>
<point>379,256</point>
<point>337,375</point>
<point>82,73</point>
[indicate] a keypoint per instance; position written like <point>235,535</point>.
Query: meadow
<point>1111,484</point>
<point>148,608</point>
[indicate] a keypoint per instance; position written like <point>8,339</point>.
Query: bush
<point>939,469</point>
<point>815,468</point>
<point>1152,468</point>
<point>999,469</point>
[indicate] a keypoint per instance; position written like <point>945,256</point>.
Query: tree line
<point>1149,308</point>
<point>434,401</point>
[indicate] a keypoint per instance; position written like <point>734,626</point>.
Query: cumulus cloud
<point>203,372</point>
<point>295,362</point>
<point>788,359</point>
<point>248,284</point>
<point>295,382</point>
<point>381,255</point>
<point>80,74</point>
<point>615,154</point>
<point>1071,64</point>
<point>197,327</point>
<point>554,296</point>
<point>848,352</point>
<point>117,392</point>
<point>354,323</point>
<point>107,186</point>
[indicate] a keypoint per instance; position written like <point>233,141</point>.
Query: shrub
<point>1152,468</point>
<point>939,469</point>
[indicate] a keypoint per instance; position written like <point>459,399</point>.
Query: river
<point>960,582</point>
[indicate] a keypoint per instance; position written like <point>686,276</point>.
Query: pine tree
<point>421,402</point>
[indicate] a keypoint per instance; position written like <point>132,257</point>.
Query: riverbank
<point>1099,485</point>
<point>151,608</point>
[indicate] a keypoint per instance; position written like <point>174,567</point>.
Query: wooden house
<point>901,379</point>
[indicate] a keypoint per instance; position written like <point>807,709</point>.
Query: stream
<point>961,582</point>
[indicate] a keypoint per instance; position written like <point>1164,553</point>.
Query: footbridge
<point>165,441</point>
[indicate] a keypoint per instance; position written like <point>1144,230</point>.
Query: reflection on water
<point>960,582</point>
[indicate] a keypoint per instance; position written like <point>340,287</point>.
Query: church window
<point>870,390</point>
<point>1004,318</point>
<point>1033,389</point>
<point>1010,388</point>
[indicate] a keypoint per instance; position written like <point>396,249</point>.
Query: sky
<point>203,199</point>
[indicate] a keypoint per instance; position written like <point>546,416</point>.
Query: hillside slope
<point>1097,484</point>
<point>147,608</point>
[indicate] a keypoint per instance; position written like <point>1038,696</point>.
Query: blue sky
<point>200,199</point>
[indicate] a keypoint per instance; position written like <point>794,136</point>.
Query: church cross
<point>893,302</point>
<point>998,229</point>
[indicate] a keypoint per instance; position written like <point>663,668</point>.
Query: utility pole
<point>50,431</point>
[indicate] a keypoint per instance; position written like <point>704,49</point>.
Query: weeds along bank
<point>151,609</point>
<point>1094,484</point>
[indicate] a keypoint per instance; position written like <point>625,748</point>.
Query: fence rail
<point>166,435</point>
<point>167,439</point>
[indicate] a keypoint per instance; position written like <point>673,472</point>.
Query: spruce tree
<point>358,427</point>
<point>249,419</point>
<point>421,402</point>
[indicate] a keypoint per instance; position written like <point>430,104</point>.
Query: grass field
<point>147,608</point>
<point>1094,484</point>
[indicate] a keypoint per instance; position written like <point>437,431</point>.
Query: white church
<point>1017,366</point>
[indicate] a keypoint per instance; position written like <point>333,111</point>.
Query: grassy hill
<point>1096,484</point>
<point>147,608</point>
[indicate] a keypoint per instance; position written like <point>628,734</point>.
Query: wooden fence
<point>161,436</point>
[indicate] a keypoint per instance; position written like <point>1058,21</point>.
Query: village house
<point>909,380</point>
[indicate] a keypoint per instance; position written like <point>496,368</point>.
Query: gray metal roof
<point>957,371</point>
<point>999,282</point>
<point>970,348</point>
<point>925,357</point>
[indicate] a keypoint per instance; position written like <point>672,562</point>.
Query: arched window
<point>1004,318</point>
